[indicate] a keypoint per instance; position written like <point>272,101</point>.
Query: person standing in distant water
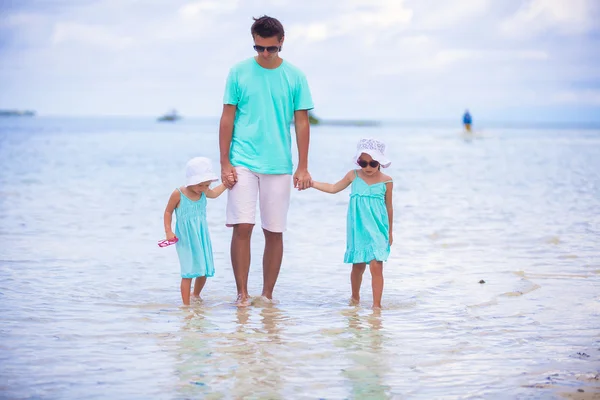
<point>467,121</point>
<point>263,95</point>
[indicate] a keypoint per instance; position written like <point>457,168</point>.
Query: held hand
<point>302,179</point>
<point>170,236</point>
<point>391,238</point>
<point>228,175</point>
<point>231,178</point>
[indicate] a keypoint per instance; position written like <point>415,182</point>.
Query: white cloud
<point>415,40</point>
<point>580,97</point>
<point>377,14</point>
<point>95,35</point>
<point>539,16</point>
<point>446,57</point>
<point>367,18</point>
<point>315,32</point>
<point>201,8</point>
<point>372,58</point>
<point>20,19</point>
<point>192,20</point>
<point>445,14</point>
<point>423,55</point>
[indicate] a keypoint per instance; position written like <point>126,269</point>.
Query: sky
<point>508,60</point>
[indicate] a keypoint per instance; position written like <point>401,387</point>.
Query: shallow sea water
<point>90,305</point>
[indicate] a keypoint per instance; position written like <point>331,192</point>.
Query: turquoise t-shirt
<point>266,100</point>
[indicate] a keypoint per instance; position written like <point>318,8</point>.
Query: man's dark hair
<point>267,27</point>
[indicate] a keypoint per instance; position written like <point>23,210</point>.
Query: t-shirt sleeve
<point>232,92</point>
<point>302,97</point>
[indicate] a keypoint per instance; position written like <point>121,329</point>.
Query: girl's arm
<point>390,208</point>
<point>336,187</point>
<point>168,218</point>
<point>216,192</point>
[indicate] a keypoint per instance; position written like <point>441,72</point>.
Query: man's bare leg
<point>272,258</point>
<point>356,280</point>
<point>240,260</point>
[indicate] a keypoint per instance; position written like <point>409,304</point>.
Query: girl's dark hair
<point>267,27</point>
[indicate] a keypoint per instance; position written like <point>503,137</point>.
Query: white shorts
<point>274,194</point>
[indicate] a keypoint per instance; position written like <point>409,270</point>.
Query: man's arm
<point>228,174</point>
<point>302,178</point>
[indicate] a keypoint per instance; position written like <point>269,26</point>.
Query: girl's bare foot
<point>354,301</point>
<point>376,307</point>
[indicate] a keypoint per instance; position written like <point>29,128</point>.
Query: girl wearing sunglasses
<point>370,216</point>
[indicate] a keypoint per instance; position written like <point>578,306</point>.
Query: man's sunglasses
<point>372,164</point>
<point>270,49</point>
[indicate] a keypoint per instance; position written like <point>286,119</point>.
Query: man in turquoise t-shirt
<point>263,95</point>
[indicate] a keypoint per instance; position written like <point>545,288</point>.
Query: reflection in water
<point>364,348</point>
<point>239,350</point>
<point>193,352</point>
<point>244,362</point>
<point>256,351</point>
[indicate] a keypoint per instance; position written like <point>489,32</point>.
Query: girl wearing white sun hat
<point>370,216</point>
<point>374,148</point>
<point>191,235</point>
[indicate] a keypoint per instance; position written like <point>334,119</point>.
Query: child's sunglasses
<point>363,163</point>
<point>270,49</point>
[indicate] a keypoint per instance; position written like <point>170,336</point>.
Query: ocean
<point>90,305</point>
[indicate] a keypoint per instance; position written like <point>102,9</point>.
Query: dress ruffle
<point>366,254</point>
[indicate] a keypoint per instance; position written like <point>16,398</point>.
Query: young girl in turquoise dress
<point>370,216</point>
<point>193,244</point>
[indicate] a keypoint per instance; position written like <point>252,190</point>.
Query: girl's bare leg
<point>198,285</point>
<point>186,286</point>
<point>376,282</point>
<point>355,281</point>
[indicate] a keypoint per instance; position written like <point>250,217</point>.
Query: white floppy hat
<point>374,148</point>
<point>198,170</point>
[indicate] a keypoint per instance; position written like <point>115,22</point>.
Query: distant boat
<point>172,116</point>
<point>17,113</point>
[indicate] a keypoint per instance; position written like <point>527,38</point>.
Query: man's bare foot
<point>354,301</point>
<point>376,307</point>
<point>195,298</point>
<point>242,301</point>
<point>262,300</point>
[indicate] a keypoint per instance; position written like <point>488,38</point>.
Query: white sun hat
<point>198,170</point>
<point>374,148</point>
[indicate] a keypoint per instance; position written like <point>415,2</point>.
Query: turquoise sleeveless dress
<point>368,227</point>
<point>193,248</point>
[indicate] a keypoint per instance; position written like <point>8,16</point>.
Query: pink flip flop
<point>166,242</point>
